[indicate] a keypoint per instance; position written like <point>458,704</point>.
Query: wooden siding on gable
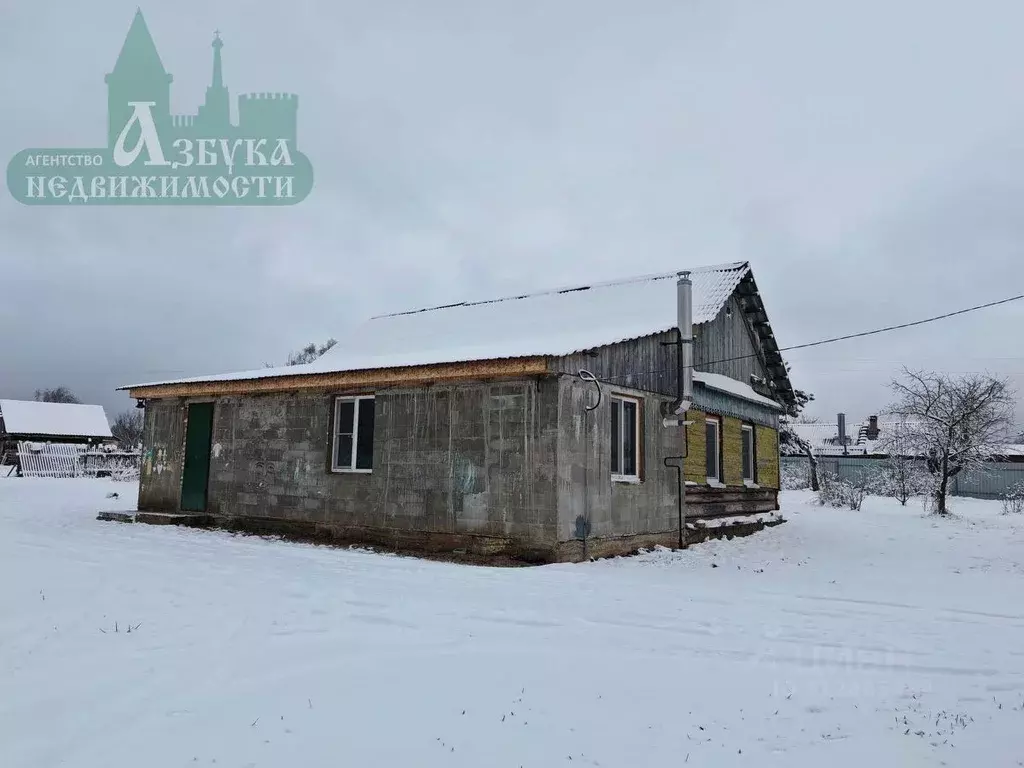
<point>727,346</point>
<point>645,363</point>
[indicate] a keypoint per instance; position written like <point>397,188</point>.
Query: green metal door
<point>196,473</point>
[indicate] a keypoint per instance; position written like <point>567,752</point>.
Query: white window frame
<point>351,468</point>
<point>716,479</point>
<point>750,482</point>
<point>618,476</point>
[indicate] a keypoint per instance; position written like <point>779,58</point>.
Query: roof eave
<point>757,316</point>
<point>347,380</point>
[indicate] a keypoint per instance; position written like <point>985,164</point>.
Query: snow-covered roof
<point>734,388</point>
<point>816,434</point>
<point>1009,450</point>
<point>547,324</point>
<point>824,438</point>
<point>27,417</point>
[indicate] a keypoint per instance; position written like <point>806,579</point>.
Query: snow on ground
<point>840,638</point>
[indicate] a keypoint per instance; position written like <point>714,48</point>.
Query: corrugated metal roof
<point>547,324</point>
<point>28,417</point>
<point>824,438</point>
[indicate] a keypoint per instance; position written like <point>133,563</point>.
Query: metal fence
<point>991,483</point>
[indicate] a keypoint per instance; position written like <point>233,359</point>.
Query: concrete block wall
<point>623,515</point>
<point>163,440</point>
<point>461,463</point>
<point>492,467</point>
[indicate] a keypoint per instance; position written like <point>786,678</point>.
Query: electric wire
<point>833,339</point>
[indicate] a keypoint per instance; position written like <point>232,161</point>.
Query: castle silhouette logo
<point>155,158</point>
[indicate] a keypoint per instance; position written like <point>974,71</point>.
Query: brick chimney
<point>872,431</point>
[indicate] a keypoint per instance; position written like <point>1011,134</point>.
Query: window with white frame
<point>713,450</point>
<point>352,446</point>
<point>625,434</point>
<point>749,455</point>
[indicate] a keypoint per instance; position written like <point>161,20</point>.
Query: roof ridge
<point>726,267</point>
<point>46,402</point>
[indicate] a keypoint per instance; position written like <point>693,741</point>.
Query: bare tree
<point>56,395</point>
<point>127,428</point>
<point>955,422</point>
<point>307,354</point>
<point>310,352</point>
<point>903,474</point>
<point>788,438</point>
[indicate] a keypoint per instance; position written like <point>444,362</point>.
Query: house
<point>874,438</point>
<point>43,437</point>
<point>836,439</point>
<point>471,427</point>
<point>863,453</point>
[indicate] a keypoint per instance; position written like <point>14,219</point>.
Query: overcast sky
<point>866,156</point>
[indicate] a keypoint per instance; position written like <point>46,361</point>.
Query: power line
<point>900,326</point>
<point>835,339</point>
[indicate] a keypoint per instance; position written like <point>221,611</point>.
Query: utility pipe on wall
<point>684,356</point>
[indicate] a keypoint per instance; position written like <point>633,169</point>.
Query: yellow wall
<point>694,466</point>
<point>767,457</point>
<point>732,452</point>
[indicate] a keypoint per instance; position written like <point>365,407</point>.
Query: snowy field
<point>878,638</point>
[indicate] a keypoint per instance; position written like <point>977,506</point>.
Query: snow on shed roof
<point>27,417</point>
<point>734,388</point>
<point>545,324</point>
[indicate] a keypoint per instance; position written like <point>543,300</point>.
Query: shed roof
<point>734,388</point>
<point>551,323</point>
<point>28,417</point>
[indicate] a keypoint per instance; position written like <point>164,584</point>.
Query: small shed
<point>53,433</point>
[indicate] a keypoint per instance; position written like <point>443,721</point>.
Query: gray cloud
<point>864,156</point>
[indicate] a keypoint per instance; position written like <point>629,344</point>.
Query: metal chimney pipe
<point>841,419</point>
<point>684,383</point>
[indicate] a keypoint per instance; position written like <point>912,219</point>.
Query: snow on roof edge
<point>307,369</point>
<point>735,388</point>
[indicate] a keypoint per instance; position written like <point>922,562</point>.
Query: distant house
<point>838,439</point>
<point>26,426</point>
<point>869,439</point>
<point>470,426</point>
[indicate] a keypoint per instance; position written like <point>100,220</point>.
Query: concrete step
<point>117,517</point>
<point>197,520</point>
